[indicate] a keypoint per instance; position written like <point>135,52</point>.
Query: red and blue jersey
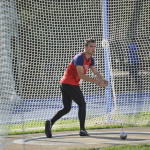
<point>70,75</point>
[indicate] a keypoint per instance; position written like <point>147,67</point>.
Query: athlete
<point>69,85</point>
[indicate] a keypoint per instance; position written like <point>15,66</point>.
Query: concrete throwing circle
<point>94,138</point>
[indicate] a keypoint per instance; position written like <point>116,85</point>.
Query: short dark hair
<point>87,41</point>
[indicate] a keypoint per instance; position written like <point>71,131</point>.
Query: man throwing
<point>69,85</point>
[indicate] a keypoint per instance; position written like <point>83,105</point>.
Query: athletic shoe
<point>83,133</point>
<point>48,127</point>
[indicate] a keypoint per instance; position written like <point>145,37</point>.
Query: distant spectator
<point>133,63</point>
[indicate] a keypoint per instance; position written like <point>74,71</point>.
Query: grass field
<point>137,120</point>
<point>122,147</point>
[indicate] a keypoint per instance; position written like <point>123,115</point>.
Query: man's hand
<point>101,83</point>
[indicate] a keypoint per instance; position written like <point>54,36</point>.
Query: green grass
<point>59,129</point>
<point>137,120</point>
<point>121,147</point>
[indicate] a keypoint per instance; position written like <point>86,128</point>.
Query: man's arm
<point>97,75</point>
<point>87,78</point>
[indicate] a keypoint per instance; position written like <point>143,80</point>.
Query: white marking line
<point>25,141</point>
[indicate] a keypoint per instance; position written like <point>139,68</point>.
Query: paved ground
<point>65,141</point>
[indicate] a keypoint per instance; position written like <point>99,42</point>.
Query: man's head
<point>90,46</point>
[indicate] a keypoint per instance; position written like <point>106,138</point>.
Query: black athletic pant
<point>69,93</point>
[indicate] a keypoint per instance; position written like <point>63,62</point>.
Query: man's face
<point>90,49</point>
